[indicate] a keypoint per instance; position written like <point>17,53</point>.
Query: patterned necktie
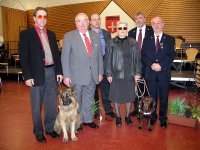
<point>157,43</point>
<point>88,45</point>
<point>140,40</point>
<point>47,50</point>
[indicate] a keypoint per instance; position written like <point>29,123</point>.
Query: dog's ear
<point>73,91</point>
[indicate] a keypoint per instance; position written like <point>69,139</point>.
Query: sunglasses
<point>124,28</point>
<point>40,17</point>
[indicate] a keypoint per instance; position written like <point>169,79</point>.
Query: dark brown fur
<point>146,107</point>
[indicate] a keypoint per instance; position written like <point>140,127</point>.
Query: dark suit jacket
<point>164,57</point>
<point>148,32</point>
<point>32,55</point>
<point>107,35</point>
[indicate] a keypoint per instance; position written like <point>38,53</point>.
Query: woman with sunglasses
<point>123,66</point>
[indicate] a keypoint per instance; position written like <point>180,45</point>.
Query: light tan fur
<point>67,119</point>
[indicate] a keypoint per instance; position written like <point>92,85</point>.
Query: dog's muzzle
<point>66,100</point>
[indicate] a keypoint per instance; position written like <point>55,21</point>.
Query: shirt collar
<point>143,28</point>
<point>38,29</point>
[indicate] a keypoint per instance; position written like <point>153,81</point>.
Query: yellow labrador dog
<point>67,119</point>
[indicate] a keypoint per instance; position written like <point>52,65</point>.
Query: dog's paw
<point>74,139</point>
<point>140,128</point>
<point>64,140</point>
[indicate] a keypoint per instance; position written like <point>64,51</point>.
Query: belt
<point>48,66</point>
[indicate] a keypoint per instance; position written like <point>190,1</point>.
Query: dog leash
<point>138,89</point>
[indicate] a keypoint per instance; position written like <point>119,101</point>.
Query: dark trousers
<point>47,94</point>
<point>159,89</point>
<point>104,89</point>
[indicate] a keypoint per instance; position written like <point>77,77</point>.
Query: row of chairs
<point>197,76</point>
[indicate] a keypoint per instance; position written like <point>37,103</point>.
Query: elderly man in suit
<point>158,54</point>
<point>104,36</point>
<point>139,33</point>
<point>82,63</point>
<point>41,67</point>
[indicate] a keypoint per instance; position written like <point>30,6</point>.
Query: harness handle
<point>138,89</point>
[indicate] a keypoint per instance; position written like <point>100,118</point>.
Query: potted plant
<point>178,111</point>
<point>193,111</point>
<point>96,109</point>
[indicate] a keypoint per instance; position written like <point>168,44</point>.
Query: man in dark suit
<point>158,54</point>
<point>104,36</point>
<point>41,67</point>
<point>139,33</point>
<point>82,63</point>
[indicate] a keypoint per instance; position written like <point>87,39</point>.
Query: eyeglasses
<point>40,17</point>
<point>124,28</point>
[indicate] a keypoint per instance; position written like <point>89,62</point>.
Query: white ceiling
<point>31,4</point>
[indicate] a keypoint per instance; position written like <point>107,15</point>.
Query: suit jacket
<point>164,56</point>
<point>76,63</point>
<point>107,35</point>
<point>32,55</point>
<point>148,32</point>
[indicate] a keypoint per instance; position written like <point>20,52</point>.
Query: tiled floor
<point>16,129</point>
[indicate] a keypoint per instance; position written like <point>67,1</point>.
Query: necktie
<point>140,40</point>
<point>47,50</point>
<point>157,43</point>
<point>88,45</point>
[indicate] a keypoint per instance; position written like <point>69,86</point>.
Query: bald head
<point>95,21</point>
<point>157,25</point>
<point>82,22</point>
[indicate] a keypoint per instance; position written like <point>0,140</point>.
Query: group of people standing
<point>89,58</point>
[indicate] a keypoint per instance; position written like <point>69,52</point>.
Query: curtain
<point>13,21</point>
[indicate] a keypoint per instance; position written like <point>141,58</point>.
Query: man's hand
<point>156,67</point>
<point>29,82</point>
<point>100,78</point>
<point>59,78</point>
<point>137,77</point>
<point>67,81</point>
<point>109,79</point>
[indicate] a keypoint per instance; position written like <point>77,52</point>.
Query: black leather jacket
<point>114,66</point>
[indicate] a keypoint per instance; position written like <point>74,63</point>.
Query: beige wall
<point>114,10</point>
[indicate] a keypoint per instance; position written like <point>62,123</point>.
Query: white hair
<point>122,22</point>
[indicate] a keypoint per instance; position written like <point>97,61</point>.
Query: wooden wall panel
<point>61,18</point>
<point>131,7</point>
<point>181,17</point>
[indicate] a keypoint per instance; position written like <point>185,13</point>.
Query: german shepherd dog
<point>146,108</point>
<point>67,119</point>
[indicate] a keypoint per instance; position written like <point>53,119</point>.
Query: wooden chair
<point>178,48</point>
<point>191,54</point>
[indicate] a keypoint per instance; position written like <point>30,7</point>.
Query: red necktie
<point>88,45</point>
<point>140,40</point>
<point>157,43</point>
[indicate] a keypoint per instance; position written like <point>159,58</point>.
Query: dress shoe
<point>118,121</point>
<point>128,120</point>
<point>134,113</point>
<point>163,124</point>
<point>80,128</point>
<point>91,125</point>
<point>41,138</point>
<point>53,134</point>
<point>112,114</point>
